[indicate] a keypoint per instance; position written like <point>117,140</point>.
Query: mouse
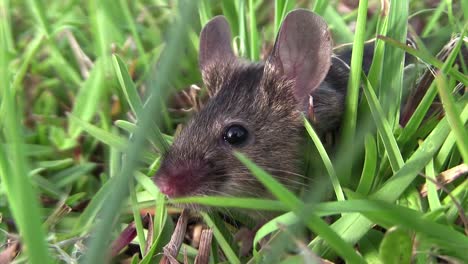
<point>256,108</point>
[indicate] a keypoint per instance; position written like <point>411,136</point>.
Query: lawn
<point>93,93</point>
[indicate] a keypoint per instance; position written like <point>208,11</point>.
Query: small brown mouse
<point>256,109</point>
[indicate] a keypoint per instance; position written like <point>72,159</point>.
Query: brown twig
<point>458,171</point>
<point>149,236</point>
<point>172,248</point>
<point>82,59</point>
<point>203,255</point>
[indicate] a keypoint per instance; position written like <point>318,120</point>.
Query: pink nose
<point>166,188</point>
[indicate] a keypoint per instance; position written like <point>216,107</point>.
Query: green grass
<point>85,92</point>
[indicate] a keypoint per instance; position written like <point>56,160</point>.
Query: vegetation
<point>87,107</point>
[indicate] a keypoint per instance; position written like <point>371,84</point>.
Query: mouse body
<point>256,108</point>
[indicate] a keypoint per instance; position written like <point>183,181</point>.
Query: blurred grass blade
<point>282,8</point>
<point>137,218</point>
<point>228,202</point>
<point>159,87</point>
<point>375,70</point>
<point>100,134</point>
<point>253,33</point>
<point>337,24</point>
<point>133,99</point>
<point>271,226</point>
<point>204,12</point>
<point>148,184</point>
<point>384,127</point>
<point>453,116</point>
<point>352,96</point>
<point>37,8</point>
<point>320,6</point>
<point>434,19</point>
<point>21,195</point>
<point>127,85</point>
<point>130,22</point>
<point>84,108</point>
<point>28,56</point>
<point>396,246</point>
<point>243,40</point>
<point>88,216</point>
<point>391,90</point>
<point>326,161</point>
<point>370,165</point>
<point>432,197</point>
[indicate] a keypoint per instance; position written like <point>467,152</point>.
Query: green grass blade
<point>370,166</point>
<point>133,99</point>
<point>392,81</point>
<point>432,195</point>
<point>351,105</point>
<point>128,87</point>
<point>137,217</point>
<point>29,54</point>
<point>37,8</point>
<point>253,33</point>
<point>320,6</point>
<point>453,116</point>
<point>159,90</point>
<point>204,12</point>
<point>100,134</point>
<point>338,25</point>
<point>243,40</point>
<point>84,108</point>
<point>375,71</point>
<point>434,19</point>
<point>228,202</point>
<point>130,22</point>
<point>22,197</point>
<point>326,161</point>
<point>384,127</point>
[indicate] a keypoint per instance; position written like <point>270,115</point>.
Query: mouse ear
<point>302,52</point>
<point>215,45</point>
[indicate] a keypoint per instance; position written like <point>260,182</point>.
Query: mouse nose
<point>166,188</point>
<point>175,183</point>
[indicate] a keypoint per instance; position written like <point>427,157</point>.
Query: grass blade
<point>453,116</point>
<point>370,166</point>
<point>391,88</point>
<point>326,161</point>
<point>120,190</point>
<point>384,127</point>
<point>351,105</point>
<point>22,197</point>
<point>253,33</point>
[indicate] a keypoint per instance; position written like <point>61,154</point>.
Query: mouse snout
<point>178,181</point>
<point>166,188</point>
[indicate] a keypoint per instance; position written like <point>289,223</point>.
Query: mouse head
<point>254,108</point>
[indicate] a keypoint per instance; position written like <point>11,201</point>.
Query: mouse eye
<point>236,135</point>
